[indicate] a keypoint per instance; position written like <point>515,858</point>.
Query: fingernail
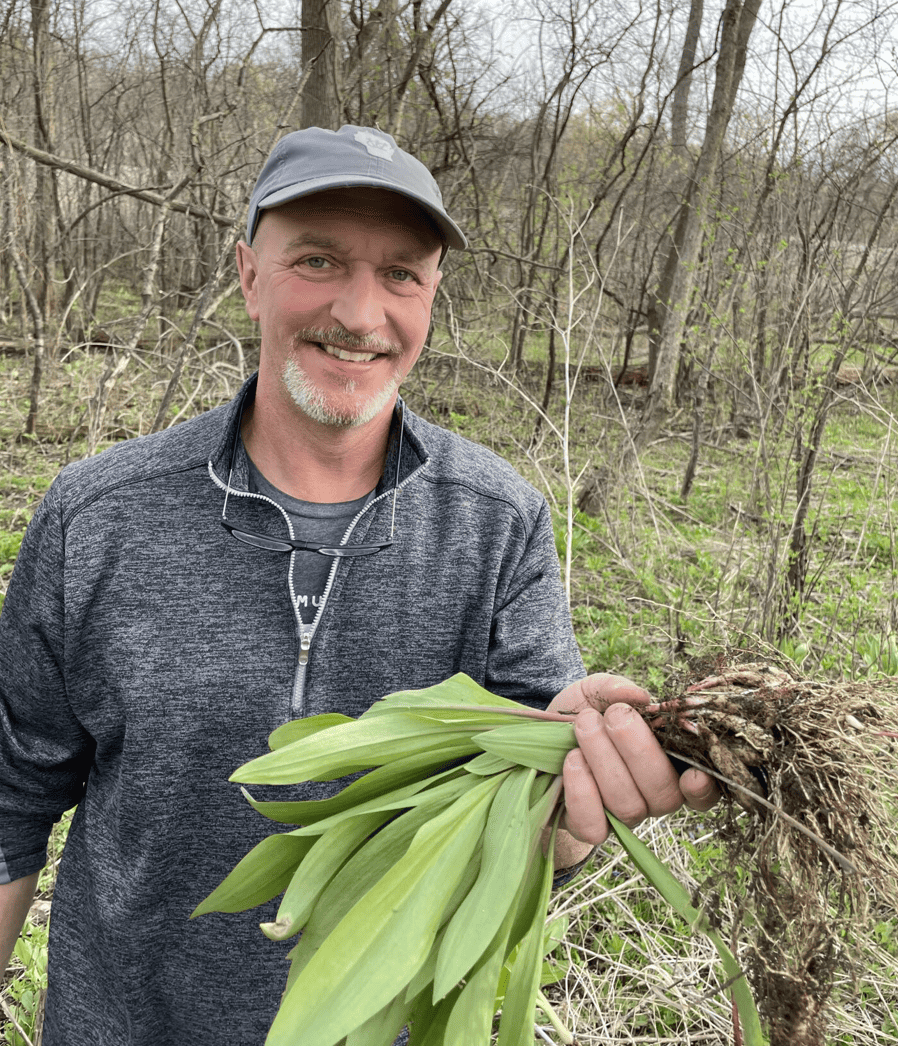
<point>588,721</point>
<point>619,714</point>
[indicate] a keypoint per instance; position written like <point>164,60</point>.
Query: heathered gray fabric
<point>145,654</point>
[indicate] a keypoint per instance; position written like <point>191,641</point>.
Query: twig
<point>843,862</point>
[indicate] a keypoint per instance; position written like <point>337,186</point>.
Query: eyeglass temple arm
<point>224,510</point>
<point>398,464</point>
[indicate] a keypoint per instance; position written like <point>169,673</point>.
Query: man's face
<point>341,284</point>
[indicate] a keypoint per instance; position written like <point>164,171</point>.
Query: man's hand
<point>618,765</point>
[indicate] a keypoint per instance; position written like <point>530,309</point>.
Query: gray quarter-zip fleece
<point>145,654</point>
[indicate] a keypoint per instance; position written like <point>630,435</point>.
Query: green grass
<point>24,988</point>
<point>9,546</point>
<point>9,550</point>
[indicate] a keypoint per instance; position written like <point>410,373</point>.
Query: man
<point>145,653</point>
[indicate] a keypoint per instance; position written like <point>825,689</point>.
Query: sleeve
<point>45,753</point>
<point>533,650</point>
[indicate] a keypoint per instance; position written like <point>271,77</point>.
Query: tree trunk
<point>680,108</point>
<point>44,210</point>
<point>320,102</point>
<point>667,314</point>
<point>37,328</point>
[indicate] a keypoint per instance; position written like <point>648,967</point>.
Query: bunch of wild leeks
<point>422,888</point>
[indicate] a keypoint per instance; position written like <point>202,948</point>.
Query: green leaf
<point>328,853</point>
<point>676,895</point>
<point>423,979</point>
<point>554,969</point>
<point>519,1004</point>
<point>297,729</point>
<point>360,873</point>
<point>346,748</point>
<point>471,1018</point>
<point>262,874</point>
<point>416,767</point>
<point>542,745</point>
<point>502,867</point>
<point>486,764</point>
<point>543,784</point>
<point>541,812</point>
<point>459,689</point>
<point>427,1023</point>
<point>450,783</point>
<point>344,984</point>
<point>383,1028</point>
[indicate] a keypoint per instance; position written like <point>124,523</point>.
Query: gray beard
<point>313,402</point>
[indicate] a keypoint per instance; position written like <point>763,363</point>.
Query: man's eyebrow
<point>416,255</point>
<point>407,255</point>
<point>310,239</point>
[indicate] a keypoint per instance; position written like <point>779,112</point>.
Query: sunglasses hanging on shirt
<point>275,543</point>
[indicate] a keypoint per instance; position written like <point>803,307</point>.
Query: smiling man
<point>341,283</point>
<point>306,548</point>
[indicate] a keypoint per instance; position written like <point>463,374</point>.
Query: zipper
<point>306,633</point>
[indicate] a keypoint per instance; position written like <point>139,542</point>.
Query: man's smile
<point>347,354</point>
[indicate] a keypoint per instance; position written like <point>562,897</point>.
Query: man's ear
<point>248,268</point>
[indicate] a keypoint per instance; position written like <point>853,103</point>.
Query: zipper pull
<point>305,641</point>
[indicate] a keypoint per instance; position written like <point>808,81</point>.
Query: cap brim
<point>454,237</point>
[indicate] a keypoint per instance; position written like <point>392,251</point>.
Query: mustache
<point>345,339</point>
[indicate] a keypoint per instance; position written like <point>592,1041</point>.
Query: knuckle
<point>632,814</point>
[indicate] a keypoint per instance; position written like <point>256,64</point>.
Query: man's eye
<point>316,262</point>
<point>402,275</point>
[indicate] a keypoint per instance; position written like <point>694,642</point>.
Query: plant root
<point>823,754</point>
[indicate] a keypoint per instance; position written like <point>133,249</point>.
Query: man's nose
<point>358,306</point>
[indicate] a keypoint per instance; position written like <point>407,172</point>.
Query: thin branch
<point>840,860</point>
<point>90,175</point>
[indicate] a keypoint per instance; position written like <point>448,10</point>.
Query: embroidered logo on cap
<point>375,145</point>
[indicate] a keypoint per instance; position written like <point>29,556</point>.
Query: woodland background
<point>677,316</point>
<point>698,202</point>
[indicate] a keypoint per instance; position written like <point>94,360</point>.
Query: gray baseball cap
<point>314,159</point>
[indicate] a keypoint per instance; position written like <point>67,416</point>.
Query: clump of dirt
<point>807,822</point>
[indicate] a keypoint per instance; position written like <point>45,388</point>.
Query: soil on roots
<point>806,822</point>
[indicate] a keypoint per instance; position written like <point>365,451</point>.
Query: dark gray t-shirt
<point>324,524</point>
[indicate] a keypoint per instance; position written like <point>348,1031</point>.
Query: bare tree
<point>667,315</point>
<point>321,56</point>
